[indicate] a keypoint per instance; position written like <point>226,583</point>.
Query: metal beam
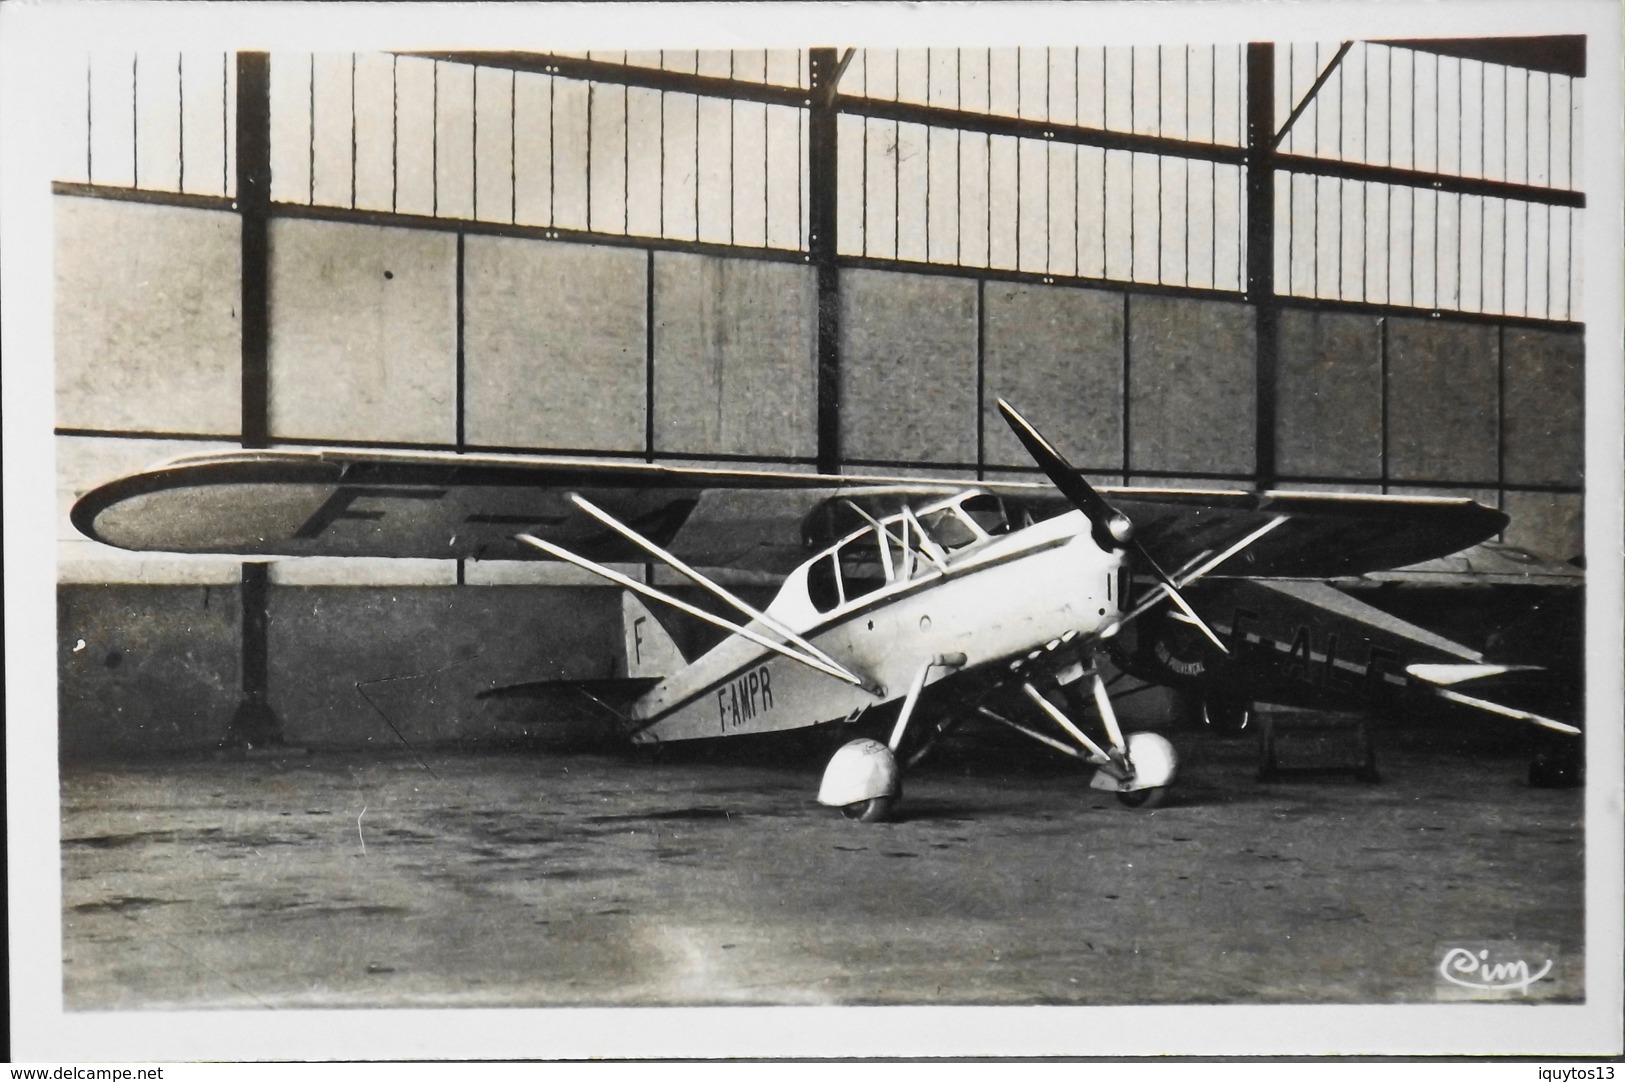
<point>1309,96</point>
<point>1439,182</point>
<point>602,71</point>
<point>822,180</point>
<point>1261,166</point>
<point>1068,134</point>
<point>834,81</point>
<point>472,227</point>
<point>190,200</point>
<point>255,724</point>
<point>253,206</point>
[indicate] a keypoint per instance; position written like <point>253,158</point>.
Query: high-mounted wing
<point>1326,534</point>
<point>446,506</point>
<point>441,505</point>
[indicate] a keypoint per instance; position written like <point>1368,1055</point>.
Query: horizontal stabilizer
<point>1508,712</point>
<point>1445,675</point>
<point>611,693</point>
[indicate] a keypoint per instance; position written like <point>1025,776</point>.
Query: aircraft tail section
<point>649,650</point>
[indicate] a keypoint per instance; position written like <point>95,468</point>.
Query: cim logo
<point>1500,970</point>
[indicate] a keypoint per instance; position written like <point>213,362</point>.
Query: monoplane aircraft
<point>900,598</point>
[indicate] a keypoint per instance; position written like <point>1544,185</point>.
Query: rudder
<point>646,646</point>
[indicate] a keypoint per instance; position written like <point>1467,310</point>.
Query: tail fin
<point>648,648</point>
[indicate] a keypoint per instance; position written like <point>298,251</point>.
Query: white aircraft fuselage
<point>992,598</point>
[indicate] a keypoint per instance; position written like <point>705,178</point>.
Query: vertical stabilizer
<point>649,650</point>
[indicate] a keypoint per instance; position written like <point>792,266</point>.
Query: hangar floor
<point>544,878</point>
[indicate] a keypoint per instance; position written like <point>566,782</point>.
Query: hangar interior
<point>1310,265</point>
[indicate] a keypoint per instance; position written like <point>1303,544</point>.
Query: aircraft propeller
<point>1109,527</point>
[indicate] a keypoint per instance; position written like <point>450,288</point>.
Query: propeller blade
<point>1082,495</point>
<point>1109,527</point>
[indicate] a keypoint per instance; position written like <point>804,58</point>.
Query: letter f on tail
<point>649,649</point>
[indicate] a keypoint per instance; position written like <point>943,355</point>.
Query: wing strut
<point>1160,589</point>
<point>750,612</point>
<point>837,671</point>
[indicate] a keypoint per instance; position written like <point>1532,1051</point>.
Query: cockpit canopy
<point>903,546</point>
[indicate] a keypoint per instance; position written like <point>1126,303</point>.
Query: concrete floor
<point>533,878</point>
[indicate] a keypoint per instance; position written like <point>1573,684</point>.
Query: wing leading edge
<point>446,506</point>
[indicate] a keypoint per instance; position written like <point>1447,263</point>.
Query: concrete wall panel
<point>908,367</point>
<point>147,335</point>
<point>146,670</point>
<point>555,341</point>
<point>1544,407</point>
<point>366,571</point>
<point>363,332</point>
<point>1057,356</point>
<point>1549,523</point>
<point>421,654</point>
<point>1328,420</point>
<point>1442,380</point>
<point>1191,385</point>
<point>540,573</point>
<point>155,670</point>
<point>736,356</point>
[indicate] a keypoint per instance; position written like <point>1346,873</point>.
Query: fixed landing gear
<point>1138,769</point>
<point>877,810</point>
<point>1215,709</point>
<point>863,779</point>
<point>1226,712</point>
<point>1152,759</point>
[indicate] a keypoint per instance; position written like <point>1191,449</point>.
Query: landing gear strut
<point>863,778</point>
<point>1138,769</point>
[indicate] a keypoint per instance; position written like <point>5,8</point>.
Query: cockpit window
<point>863,564</point>
<point>947,529</point>
<point>823,590</point>
<point>861,569</point>
<point>987,511</point>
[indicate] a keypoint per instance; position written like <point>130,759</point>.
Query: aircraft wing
<point>444,506</point>
<point>1325,535</point>
<point>1378,645</point>
<point>449,506</point>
